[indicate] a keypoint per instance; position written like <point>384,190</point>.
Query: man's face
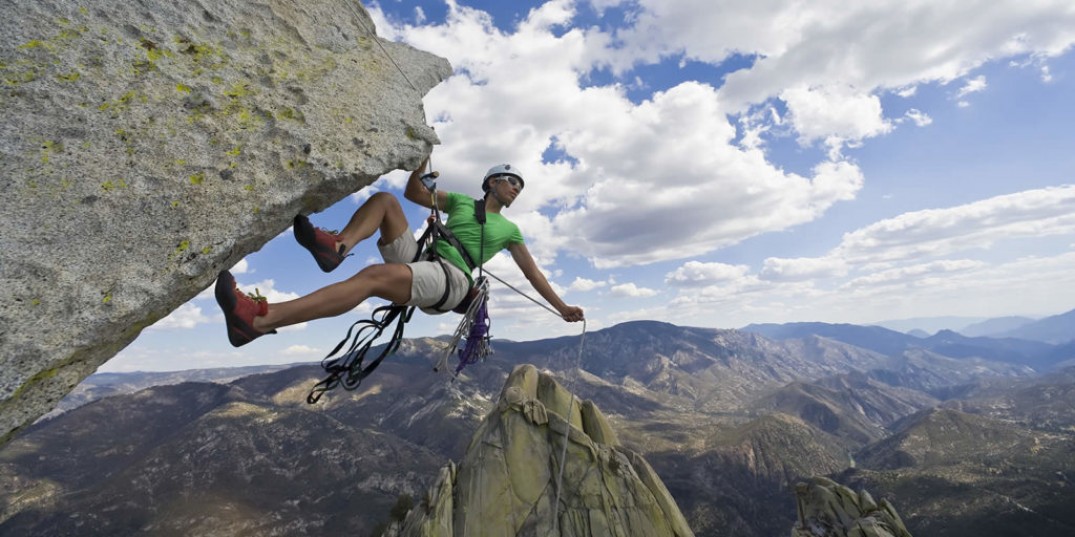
<point>508,188</point>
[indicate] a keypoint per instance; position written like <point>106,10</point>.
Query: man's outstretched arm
<point>526,264</point>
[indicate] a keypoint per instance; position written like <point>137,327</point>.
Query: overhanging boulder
<point>145,145</point>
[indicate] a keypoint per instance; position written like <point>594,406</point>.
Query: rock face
<point>510,483</point>
<point>147,145</point>
<point>828,509</point>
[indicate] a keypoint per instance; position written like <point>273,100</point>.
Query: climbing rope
<point>570,406</point>
<point>358,19</point>
<point>532,299</point>
<point>567,428</point>
<point>348,370</point>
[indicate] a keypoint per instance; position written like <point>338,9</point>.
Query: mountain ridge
<point>1027,352</point>
<point>788,410</point>
<point>821,342</point>
<point>1055,329</point>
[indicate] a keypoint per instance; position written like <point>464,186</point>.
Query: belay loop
<point>347,370</point>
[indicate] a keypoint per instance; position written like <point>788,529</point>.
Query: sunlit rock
<point>510,482</point>
<point>828,509</point>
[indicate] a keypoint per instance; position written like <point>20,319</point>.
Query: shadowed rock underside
<point>145,146</point>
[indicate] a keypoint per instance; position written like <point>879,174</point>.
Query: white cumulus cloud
<point>919,118</point>
<point>303,351</point>
<point>935,232</point>
<point>834,114</point>
<point>585,284</point>
<point>800,269</point>
<point>632,291</point>
<point>186,316</point>
<point>697,274</point>
<point>973,85</point>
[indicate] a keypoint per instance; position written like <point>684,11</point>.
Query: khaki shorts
<point>427,277</point>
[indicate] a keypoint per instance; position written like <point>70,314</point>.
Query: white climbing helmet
<point>497,171</point>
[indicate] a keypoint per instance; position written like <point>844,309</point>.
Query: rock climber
<point>434,283</point>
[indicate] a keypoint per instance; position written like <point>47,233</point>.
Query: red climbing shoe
<point>320,243</point>
<point>239,310</point>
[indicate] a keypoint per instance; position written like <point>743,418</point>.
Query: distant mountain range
<point>929,325</point>
<point>964,435</point>
<point>994,327</point>
<point>1036,354</point>
<point>101,385</point>
<point>1056,329</point>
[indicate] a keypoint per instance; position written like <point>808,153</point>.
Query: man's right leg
<point>390,281</point>
<point>381,212</point>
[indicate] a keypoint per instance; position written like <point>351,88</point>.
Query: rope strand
<point>570,406</point>
<point>358,19</point>
<point>567,430</point>
<point>532,299</point>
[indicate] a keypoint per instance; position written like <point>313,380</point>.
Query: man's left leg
<point>248,319</point>
<point>389,281</point>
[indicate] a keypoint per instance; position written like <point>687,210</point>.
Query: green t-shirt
<point>499,232</point>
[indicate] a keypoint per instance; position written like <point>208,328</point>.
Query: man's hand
<point>572,314</point>
<point>417,192</point>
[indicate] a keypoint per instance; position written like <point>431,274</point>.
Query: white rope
<point>358,19</point>
<point>570,406</point>
<point>465,324</point>
<point>567,431</point>
<point>532,299</point>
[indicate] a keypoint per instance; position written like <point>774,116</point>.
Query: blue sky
<point>721,163</point>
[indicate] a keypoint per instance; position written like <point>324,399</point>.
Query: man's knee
<point>390,281</point>
<point>385,199</point>
<point>393,221</point>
